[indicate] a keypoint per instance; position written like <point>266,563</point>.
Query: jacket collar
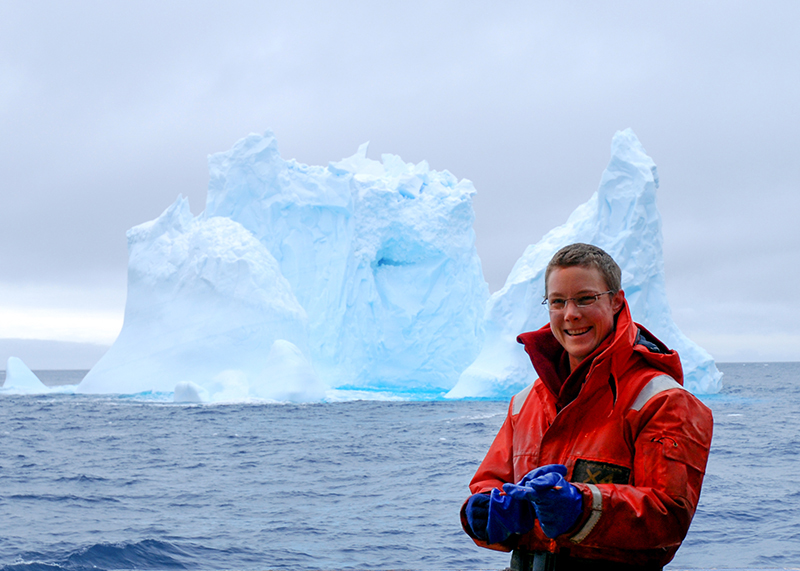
<point>608,360</point>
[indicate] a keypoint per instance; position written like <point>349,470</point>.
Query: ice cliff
<point>359,279</point>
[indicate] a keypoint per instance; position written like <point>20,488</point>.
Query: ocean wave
<point>145,554</point>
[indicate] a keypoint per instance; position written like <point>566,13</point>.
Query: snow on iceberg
<point>20,379</point>
<point>622,218</point>
<point>363,274</point>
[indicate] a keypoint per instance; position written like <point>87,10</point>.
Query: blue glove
<point>495,517</point>
<point>508,516</point>
<point>558,503</point>
<point>541,471</point>
<point>477,512</point>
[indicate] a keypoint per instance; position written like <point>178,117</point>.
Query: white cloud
<point>65,324</point>
<point>743,347</point>
<point>61,313</point>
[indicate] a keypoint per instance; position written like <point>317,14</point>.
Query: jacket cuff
<point>592,510</point>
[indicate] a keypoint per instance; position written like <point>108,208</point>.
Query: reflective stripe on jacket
<point>634,441</point>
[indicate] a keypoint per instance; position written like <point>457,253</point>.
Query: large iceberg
<point>358,280</point>
<point>364,272</point>
<point>622,218</point>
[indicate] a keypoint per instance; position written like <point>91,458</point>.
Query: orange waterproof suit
<point>634,442</point>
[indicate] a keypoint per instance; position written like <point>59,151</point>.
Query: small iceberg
<point>21,380</point>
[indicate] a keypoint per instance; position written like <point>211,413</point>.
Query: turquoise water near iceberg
<point>111,483</point>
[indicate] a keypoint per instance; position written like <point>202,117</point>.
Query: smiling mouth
<point>577,332</point>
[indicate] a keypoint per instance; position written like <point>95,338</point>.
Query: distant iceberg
<point>358,280</point>
<point>21,380</point>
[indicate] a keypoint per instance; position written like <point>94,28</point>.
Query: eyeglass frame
<point>595,296</point>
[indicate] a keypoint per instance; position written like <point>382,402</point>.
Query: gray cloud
<point>108,111</point>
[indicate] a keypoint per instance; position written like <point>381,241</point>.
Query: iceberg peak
<point>622,218</point>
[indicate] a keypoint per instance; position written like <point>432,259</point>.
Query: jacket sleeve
<point>496,469</point>
<point>672,437</point>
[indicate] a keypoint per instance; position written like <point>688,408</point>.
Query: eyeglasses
<point>558,304</point>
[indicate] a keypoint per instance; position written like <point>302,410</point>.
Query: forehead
<point>575,279</point>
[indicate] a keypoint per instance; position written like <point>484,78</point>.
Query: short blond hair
<point>586,256</point>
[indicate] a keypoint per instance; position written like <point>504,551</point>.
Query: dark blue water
<point>107,483</point>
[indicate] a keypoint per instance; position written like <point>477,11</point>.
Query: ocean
<point>112,483</point>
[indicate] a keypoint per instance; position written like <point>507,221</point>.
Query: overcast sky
<point>110,109</point>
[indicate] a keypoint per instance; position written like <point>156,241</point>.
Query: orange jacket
<point>635,443</point>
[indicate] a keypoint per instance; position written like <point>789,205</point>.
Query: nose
<point>571,310</point>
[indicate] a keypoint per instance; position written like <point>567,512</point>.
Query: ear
<point>618,300</point>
